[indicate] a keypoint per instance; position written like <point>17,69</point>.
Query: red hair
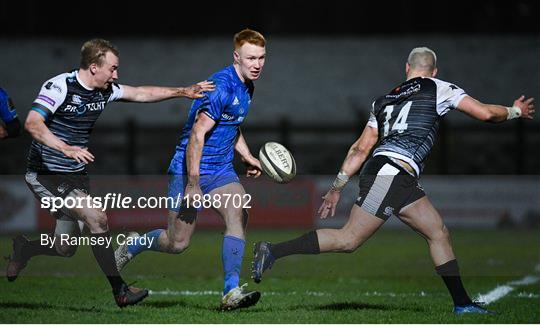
<point>248,36</point>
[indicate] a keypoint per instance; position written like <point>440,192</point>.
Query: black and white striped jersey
<point>408,118</point>
<point>70,109</point>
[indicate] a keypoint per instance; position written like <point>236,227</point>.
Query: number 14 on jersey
<point>400,123</point>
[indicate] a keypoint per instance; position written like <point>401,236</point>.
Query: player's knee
<point>441,234</point>
<point>97,220</point>
<point>347,243</point>
<point>179,246</point>
<point>347,240</point>
<point>66,250</point>
<point>349,246</point>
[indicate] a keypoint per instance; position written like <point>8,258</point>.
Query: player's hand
<point>253,166</point>
<point>79,154</point>
<point>526,106</point>
<point>330,201</point>
<point>197,90</point>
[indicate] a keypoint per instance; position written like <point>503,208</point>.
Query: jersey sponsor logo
<point>235,101</point>
<point>407,92</point>
<point>227,117</point>
<point>54,86</point>
<point>82,109</point>
<point>47,100</point>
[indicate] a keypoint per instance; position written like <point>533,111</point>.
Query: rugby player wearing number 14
<point>405,123</point>
<point>203,165</point>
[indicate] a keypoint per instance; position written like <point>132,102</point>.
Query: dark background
<point>27,18</point>
<point>126,147</point>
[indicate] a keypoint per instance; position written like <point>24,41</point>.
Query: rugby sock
<point>232,253</point>
<point>305,244</point>
<point>105,257</point>
<point>34,248</point>
<point>449,272</point>
<point>141,243</point>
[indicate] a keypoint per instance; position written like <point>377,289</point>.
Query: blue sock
<point>232,253</point>
<point>141,244</point>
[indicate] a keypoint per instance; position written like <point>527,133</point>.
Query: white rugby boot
<point>121,254</point>
<point>239,297</point>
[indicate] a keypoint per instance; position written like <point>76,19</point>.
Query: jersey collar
<point>81,82</point>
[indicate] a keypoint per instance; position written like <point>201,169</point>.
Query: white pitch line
<point>495,294</point>
<point>525,281</point>
<point>503,290</point>
<point>168,292</point>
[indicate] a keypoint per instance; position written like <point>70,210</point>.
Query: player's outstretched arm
<point>253,164</point>
<point>150,94</point>
<point>522,108</point>
<point>356,156</point>
<point>40,132</point>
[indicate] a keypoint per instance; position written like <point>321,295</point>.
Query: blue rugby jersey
<point>70,109</point>
<point>228,106</point>
<point>7,109</point>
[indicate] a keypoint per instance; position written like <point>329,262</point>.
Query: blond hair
<point>94,51</point>
<point>422,58</point>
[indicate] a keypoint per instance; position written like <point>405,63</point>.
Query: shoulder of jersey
<point>58,82</point>
<point>222,81</point>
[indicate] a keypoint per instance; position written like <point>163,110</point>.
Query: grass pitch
<point>389,280</point>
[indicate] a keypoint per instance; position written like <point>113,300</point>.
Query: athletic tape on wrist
<point>513,112</point>
<point>339,183</point>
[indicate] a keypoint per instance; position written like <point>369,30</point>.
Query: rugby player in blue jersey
<point>60,122</point>
<point>404,123</point>
<point>10,126</point>
<point>203,164</point>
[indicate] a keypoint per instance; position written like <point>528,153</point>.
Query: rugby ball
<point>277,162</point>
